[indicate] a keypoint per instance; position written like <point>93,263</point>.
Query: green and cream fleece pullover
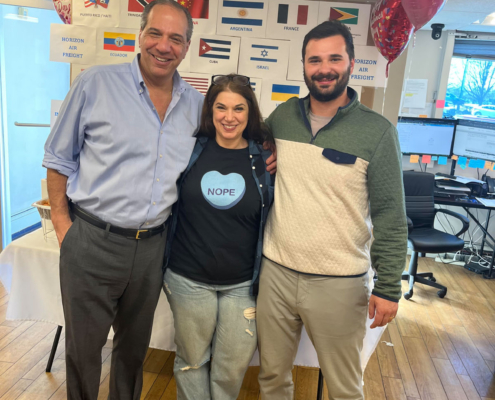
<point>332,190</point>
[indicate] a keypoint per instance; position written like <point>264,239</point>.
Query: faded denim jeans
<point>215,334</point>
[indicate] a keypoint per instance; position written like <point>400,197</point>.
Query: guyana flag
<point>345,15</point>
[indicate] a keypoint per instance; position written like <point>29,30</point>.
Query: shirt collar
<point>179,84</point>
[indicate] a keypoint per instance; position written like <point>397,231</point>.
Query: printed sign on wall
<point>263,58</point>
<point>276,92</point>
<point>256,85</point>
<point>200,82</point>
<point>214,54</point>
<point>116,45</point>
<point>204,15</point>
<point>96,12</point>
<point>72,44</point>
<point>291,20</point>
<point>246,18</point>
<point>355,16</point>
<point>130,13</point>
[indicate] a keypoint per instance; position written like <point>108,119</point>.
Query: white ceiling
<point>457,14</point>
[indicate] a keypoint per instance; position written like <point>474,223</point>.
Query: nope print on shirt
<point>222,191</point>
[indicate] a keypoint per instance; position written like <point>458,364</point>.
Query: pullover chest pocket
<point>339,157</point>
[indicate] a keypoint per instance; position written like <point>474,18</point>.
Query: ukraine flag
<point>284,92</point>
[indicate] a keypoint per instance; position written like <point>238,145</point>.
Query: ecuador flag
<point>119,41</point>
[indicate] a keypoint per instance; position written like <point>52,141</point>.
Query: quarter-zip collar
<point>341,112</point>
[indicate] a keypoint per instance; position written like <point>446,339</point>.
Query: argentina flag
<point>243,13</point>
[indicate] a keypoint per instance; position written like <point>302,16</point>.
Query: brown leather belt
<point>127,233</point>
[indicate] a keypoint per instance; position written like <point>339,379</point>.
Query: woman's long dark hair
<point>255,130</point>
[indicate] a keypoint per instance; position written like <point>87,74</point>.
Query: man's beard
<point>340,85</point>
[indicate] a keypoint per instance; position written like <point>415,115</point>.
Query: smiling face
<point>163,43</point>
<point>230,118</point>
<point>327,68</point>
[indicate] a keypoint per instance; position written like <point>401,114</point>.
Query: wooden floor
<point>436,349</point>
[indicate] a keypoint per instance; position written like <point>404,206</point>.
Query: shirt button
<point>140,90</point>
<point>254,168</point>
<point>154,203</point>
<point>158,180</point>
<point>250,156</point>
<point>261,185</point>
<point>147,223</point>
<point>263,205</point>
<point>161,132</point>
<point>161,156</point>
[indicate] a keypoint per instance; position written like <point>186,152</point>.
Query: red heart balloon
<point>63,8</point>
<point>391,28</point>
<point>420,12</point>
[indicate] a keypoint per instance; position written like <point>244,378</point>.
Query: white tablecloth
<point>29,271</point>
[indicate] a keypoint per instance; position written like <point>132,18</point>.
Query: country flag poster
<point>256,84</point>
<point>200,82</point>
<point>96,13</point>
<point>355,16</point>
<point>204,15</point>
<point>291,20</point>
<point>214,54</point>
<point>245,18</point>
<point>130,12</point>
<point>263,58</point>
<point>116,45</point>
<point>276,92</point>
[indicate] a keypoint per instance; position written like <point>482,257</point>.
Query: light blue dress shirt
<point>121,161</point>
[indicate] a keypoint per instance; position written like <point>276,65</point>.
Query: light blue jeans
<point>215,334</point>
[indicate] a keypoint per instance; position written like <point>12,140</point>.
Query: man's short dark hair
<point>171,3</point>
<point>328,29</point>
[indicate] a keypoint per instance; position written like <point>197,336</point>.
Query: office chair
<point>423,237</point>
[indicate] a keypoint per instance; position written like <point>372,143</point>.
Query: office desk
<point>467,205</point>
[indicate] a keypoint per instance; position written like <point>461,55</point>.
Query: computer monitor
<point>475,139</point>
<point>426,136</point>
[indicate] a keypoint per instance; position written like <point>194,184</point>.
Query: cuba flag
<point>119,41</point>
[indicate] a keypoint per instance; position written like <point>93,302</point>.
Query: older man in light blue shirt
<point>121,160</point>
<point>123,136</point>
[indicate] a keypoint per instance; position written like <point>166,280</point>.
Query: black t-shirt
<point>219,218</point>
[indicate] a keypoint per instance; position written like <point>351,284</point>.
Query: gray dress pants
<point>108,281</point>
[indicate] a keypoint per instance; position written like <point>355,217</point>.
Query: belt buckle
<point>139,231</point>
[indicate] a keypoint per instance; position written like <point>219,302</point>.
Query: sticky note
<point>481,164</point>
<point>434,158</point>
<point>489,165</point>
<point>414,158</point>
<point>454,157</point>
<point>473,163</point>
<point>426,159</point>
<point>440,104</point>
<point>462,161</point>
<point>442,160</point>
<point>423,116</point>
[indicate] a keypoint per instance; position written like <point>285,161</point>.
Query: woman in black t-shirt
<point>217,233</point>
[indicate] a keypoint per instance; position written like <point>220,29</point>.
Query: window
<point>471,89</point>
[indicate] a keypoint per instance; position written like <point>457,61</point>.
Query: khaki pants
<point>333,310</point>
